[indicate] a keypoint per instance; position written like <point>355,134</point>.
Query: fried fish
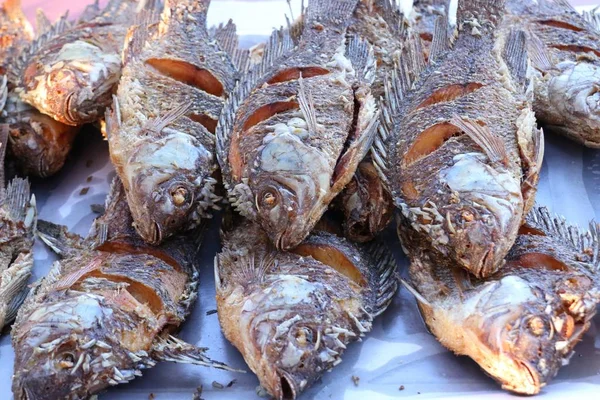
<point>105,311</point>
<point>425,13</point>
<point>522,323</point>
<point>292,315</point>
<point>565,52</point>
<point>461,152</point>
<point>293,133</point>
<point>161,128</point>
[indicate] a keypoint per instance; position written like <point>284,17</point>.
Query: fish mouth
<point>70,113</point>
<point>287,388</point>
<point>156,233</point>
<point>530,380</point>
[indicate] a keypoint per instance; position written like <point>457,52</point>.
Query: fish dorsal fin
<point>57,29</point>
<point>540,58</point>
<point>90,12</point>
<point>492,145</point>
<point>137,34</point>
<point>15,290</point>
<point>391,12</point>
<point>360,53</point>
<point>565,4</point>
<point>172,349</point>
<point>278,45</point>
<point>479,17</point>
<point>397,85</point>
<point>42,23</point>
<point>515,56</point>
<point>329,12</point>
<point>441,39</point>
<point>227,37</point>
<point>386,275</point>
<point>592,17</point>
<point>587,242</point>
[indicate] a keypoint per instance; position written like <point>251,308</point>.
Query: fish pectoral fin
<point>386,272</point>
<point>441,38</point>
<point>492,145</point>
<point>515,56</point>
<point>13,288</point>
<point>172,349</point>
<point>58,237</point>
<point>360,54</point>
<point>358,144</point>
<point>538,53</point>
<point>228,39</point>
<point>42,23</point>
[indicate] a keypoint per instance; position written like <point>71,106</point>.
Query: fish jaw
<point>77,87</point>
<point>164,181</point>
<point>486,217</point>
<point>290,188</point>
<point>574,94</point>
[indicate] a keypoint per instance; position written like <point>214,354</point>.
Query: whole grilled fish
<point>105,310</point>
<point>38,144</point>
<point>461,152</point>
<point>424,15</point>
<point>17,223</point>
<point>291,136</point>
<point>522,323</point>
<point>291,315</point>
<point>565,52</point>
<point>161,128</point>
<point>70,72</point>
<point>366,204</point>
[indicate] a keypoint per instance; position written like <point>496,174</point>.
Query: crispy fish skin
<point>291,315</point>
<point>292,136</point>
<point>105,310</point>
<point>366,204</point>
<point>565,54</point>
<point>161,128</point>
<point>70,72</point>
<point>522,323</point>
<point>461,152</point>
<point>17,224</point>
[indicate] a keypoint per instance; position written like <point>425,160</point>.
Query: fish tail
<point>481,16</point>
<point>329,12</point>
<point>386,275</point>
<point>13,290</point>
<point>21,204</point>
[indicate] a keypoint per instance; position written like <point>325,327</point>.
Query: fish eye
<point>180,196</point>
<point>304,336</point>
<point>66,360</point>
<point>269,198</point>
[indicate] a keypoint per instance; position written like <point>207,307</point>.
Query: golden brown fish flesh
<point>105,310</point>
<point>564,47</point>
<point>293,134</point>
<point>522,323</point>
<point>461,152</point>
<point>175,80</point>
<point>292,315</point>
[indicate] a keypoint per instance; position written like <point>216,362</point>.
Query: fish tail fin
<point>441,38</point>
<point>90,12</point>
<point>42,23</point>
<point>172,349</point>
<point>386,275</point>
<point>480,17</point>
<point>13,288</point>
<point>228,39</point>
<point>329,12</point>
<point>58,237</point>
<point>20,203</point>
<point>515,56</point>
<point>360,53</point>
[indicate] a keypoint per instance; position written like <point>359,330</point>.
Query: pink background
<point>54,8</point>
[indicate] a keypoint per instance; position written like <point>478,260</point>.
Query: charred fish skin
<point>291,136</point>
<point>161,128</point>
<point>105,310</point>
<point>292,315</point>
<point>565,54</point>
<point>521,324</point>
<point>70,72</point>
<point>17,221</point>
<point>460,152</point>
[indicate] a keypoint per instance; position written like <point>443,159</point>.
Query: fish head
<point>60,352</point>
<point>164,181</point>
<point>574,93</point>
<point>73,86</point>
<point>296,333</point>
<point>482,221</point>
<point>290,184</point>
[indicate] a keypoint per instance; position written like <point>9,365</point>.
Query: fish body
<point>292,135</point>
<point>292,315</point>
<point>566,56</point>
<point>161,128</point>
<point>522,323</point>
<point>461,152</point>
<point>17,224</point>
<point>105,310</point>
<point>424,15</point>
<point>70,72</point>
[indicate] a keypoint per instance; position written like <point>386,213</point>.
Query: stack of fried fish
<point>349,115</point>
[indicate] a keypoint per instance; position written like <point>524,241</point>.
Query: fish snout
<point>286,387</point>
